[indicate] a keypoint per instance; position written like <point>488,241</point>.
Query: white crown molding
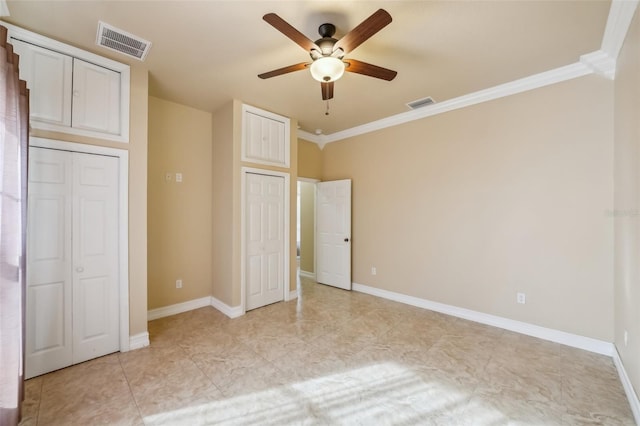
<point>620,17</point>
<point>178,308</point>
<point>601,62</point>
<point>628,387</point>
<point>536,81</point>
<point>138,341</point>
<point>569,339</point>
<point>317,139</point>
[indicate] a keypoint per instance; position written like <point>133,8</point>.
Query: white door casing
<point>73,277</point>
<point>264,236</point>
<point>333,230</point>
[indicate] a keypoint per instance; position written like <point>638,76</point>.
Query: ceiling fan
<point>327,53</point>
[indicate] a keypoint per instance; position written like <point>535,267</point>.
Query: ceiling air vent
<point>419,103</point>
<point>121,41</point>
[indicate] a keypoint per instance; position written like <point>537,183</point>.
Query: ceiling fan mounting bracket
<point>326,30</point>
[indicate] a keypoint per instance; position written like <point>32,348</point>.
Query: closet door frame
<point>123,219</point>
<point>287,224</point>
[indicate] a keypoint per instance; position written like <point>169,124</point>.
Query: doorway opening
<point>306,235</point>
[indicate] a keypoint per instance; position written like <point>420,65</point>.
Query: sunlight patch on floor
<point>385,393</point>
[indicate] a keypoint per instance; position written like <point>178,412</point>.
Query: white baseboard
<point>230,311</point>
<point>305,274</point>
<point>138,341</point>
<point>632,396</point>
<point>178,308</point>
<point>569,339</point>
<point>293,294</point>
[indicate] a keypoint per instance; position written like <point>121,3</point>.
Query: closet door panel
<point>48,75</point>
<point>96,98</point>
<point>72,270</point>
<point>49,293</point>
<point>95,260</point>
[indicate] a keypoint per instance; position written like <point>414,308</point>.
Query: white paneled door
<point>264,240</point>
<point>72,259</point>
<point>333,230</point>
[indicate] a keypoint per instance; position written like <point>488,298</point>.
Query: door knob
<point>346,240</point>
<point>79,269</point>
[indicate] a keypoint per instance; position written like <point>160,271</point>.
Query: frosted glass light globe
<point>327,69</point>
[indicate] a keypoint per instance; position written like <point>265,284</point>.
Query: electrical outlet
<point>521,298</point>
<point>178,283</point>
<point>373,270</point>
<point>178,177</point>
<point>626,337</point>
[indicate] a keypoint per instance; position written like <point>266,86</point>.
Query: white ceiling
<point>208,52</point>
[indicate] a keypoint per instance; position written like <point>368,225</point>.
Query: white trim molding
<point>293,294</point>
<point>190,305</point>
<point>305,274</point>
<point>230,311</point>
<point>536,81</point>
<point>618,22</point>
<point>601,62</point>
<point>628,387</point>
<point>569,339</point>
<point>138,341</point>
<point>178,308</point>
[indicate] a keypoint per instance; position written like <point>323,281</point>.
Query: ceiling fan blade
<point>284,70</point>
<point>369,69</point>
<point>327,90</point>
<point>285,28</point>
<point>362,32</point>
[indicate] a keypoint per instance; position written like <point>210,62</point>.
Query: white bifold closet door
<point>72,259</point>
<point>264,230</point>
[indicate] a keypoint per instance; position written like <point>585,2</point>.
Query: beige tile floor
<point>333,357</point>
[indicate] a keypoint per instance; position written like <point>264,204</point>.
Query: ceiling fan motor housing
<point>326,42</point>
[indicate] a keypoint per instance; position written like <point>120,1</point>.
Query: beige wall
<point>307,226</point>
<point>469,207</point>
<point>309,160</point>
<point>226,209</point>
<point>137,148</point>
<point>627,202</point>
<point>226,218</point>
<point>179,214</point>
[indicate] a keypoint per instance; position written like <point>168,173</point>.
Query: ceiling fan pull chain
<point>327,111</point>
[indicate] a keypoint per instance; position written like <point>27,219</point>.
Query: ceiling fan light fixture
<point>327,69</point>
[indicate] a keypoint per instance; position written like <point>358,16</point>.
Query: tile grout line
<point>202,371</point>
<point>39,402</point>
<point>124,373</point>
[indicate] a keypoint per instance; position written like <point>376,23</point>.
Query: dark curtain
<point>14,134</point>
